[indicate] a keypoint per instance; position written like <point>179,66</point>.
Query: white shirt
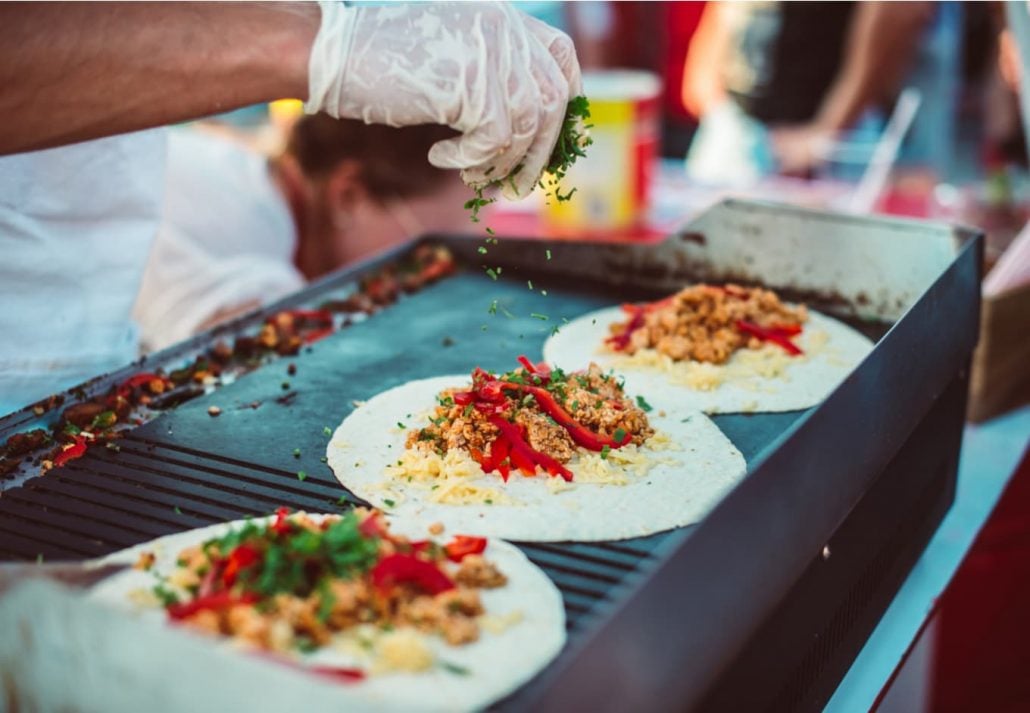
<point>226,238</point>
<point>76,223</point>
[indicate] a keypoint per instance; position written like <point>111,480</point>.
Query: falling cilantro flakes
<point>491,273</point>
<point>296,452</point>
<point>481,250</point>
<point>302,476</point>
<point>493,307</point>
<point>177,510</point>
<point>529,284</point>
<point>548,253</point>
<point>537,315</point>
<point>326,431</point>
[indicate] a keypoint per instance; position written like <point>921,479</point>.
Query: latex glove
<point>500,77</point>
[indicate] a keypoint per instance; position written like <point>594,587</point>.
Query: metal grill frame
<point>619,596</point>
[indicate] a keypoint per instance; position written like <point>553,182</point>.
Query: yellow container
<point>613,182</point>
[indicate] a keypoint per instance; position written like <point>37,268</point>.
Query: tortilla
<point>753,380</point>
<point>695,467</point>
<point>497,664</point>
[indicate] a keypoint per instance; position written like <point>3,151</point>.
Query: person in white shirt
<point>239,230</point>
<point>76,221</point>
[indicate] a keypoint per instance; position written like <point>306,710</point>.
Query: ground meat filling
<point>700,323</point>
<point>314,602</point>
<point>593,398</point>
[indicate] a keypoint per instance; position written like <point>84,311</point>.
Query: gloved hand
<point>500,77</point>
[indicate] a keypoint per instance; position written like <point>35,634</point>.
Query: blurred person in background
<point>776,82</point>
<point>83,86</point>
<point>239,230</point>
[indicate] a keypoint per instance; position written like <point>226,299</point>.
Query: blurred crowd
<point>749,91</point>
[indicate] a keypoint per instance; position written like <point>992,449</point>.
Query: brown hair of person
<point>392,159</point>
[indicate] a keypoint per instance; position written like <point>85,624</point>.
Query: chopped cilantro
<point>491,273</point>
<point>642,403</point>
<point>401,425</point>
<point>454,668</point>
<point>177,510</point>
<point>537,315</point>
<point>326,431</point>
<point>482,250</point>
<point>619,435</point>
<point>605,450</point>
<point>388,503</point>
<point>301,475</point>
<point>548,253</point>
<point>529,284</point>
<point>296,452</point>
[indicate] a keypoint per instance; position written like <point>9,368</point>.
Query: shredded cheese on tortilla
<point>747,368</point>
<point>456,479</point>
<point>451,478</point>
<point>497,624</point>
<point>402,650</point>
<point>614,467</point>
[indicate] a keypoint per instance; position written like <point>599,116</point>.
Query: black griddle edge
<point>733,573</point>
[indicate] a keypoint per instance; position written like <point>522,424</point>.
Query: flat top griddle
<point>188,469</point>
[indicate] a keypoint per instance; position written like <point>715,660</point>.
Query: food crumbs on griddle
<point>296,452</point>
<point>213,411</point>
<point>447,342</point>
<point>301,475</point>
<point>285,386</point>
<point>291,369</point>
<point>324,459</point>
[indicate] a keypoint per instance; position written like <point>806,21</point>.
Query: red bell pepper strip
<point>77,449</point>
<point>281,526</point>
<point>523,456</point>
<point>582,435</point>
<point>620,341</point>
<point>241,557</point>
<point>541,371</point>
<point>463,398</point>
<point>337,673</point>
<point>319,316</point>
<point>372,526</point>
<point>408,569</point>
<point>778,336</point>
<point>212,602</point>
<point>462,546</point>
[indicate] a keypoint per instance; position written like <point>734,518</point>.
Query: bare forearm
<point>880,46</point>
<point>71,72</point>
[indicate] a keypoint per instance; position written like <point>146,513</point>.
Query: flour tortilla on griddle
<point>832,349</point>
<point>497,663</point>
<point>687,478</point>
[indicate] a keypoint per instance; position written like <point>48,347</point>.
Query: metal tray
<point>657,622</point>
